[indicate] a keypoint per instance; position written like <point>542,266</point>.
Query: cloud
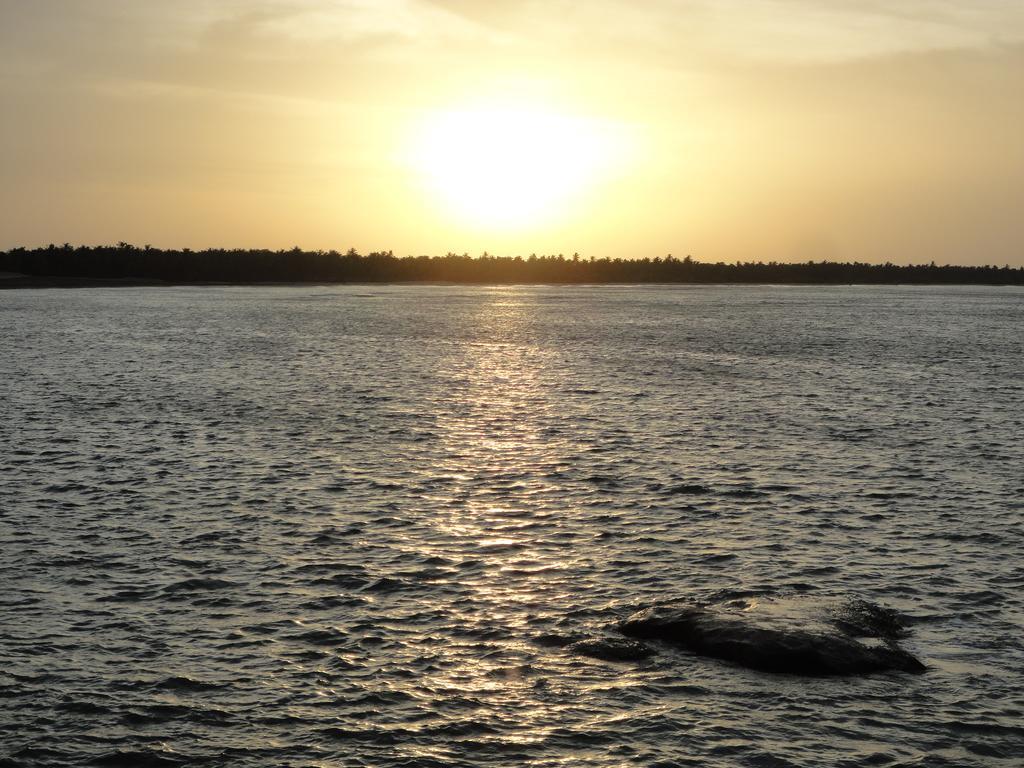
<point>773,30</point>
<point>329,49</point>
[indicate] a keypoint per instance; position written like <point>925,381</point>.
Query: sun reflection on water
<point>492,442</point>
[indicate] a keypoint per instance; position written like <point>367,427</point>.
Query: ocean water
<point>356,526</point>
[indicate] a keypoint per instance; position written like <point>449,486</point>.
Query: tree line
<point>128,262</point>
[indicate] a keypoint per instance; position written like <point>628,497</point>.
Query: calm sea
<point>340,526</point>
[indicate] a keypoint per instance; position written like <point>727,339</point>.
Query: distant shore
<point>27,282</point>
<point>13,280</point>
<point>126,265</point>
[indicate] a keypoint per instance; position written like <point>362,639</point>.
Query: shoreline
<point>12,282</point>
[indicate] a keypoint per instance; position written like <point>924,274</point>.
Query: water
<point>340,526</point>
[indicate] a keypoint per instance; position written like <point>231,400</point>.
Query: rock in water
<point>611,649</point>
<point>795,635</point>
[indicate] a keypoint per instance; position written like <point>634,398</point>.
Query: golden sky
<point>725,129</point>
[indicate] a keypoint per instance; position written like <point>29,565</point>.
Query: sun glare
<point>509,166</point>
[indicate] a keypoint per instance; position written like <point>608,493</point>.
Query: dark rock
<point>796,636</point>
<point>611,649</point>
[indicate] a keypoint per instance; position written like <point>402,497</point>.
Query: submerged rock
<point>611,649</point>
<point>796,635</point>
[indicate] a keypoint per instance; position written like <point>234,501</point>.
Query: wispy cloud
<point>215,44</point>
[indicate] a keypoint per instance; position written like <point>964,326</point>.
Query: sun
<point>511,166</point>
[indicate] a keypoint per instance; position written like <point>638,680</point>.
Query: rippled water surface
<point>346,526</point>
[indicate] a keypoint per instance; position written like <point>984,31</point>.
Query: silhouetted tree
<point>125,261</point>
